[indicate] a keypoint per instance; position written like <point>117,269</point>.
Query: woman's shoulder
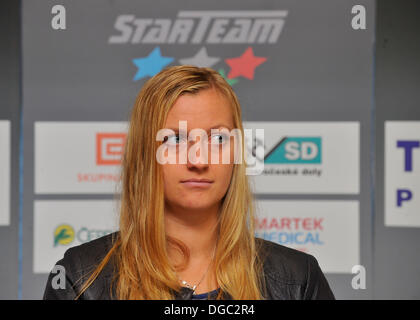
<point>292,274</point>
<point>284,263</point>
<point>92,252</point>
<point>77,265</point>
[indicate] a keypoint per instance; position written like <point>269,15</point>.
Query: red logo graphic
<point>109,148</point>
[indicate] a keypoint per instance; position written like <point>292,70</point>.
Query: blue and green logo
<point>296,150</point>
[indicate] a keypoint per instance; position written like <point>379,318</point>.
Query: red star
<point>244,65</point>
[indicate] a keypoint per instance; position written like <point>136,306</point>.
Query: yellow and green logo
<point>63,235</point>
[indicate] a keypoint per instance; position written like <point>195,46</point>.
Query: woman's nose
<point>198,154</point>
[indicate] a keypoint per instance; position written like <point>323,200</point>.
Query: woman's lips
<point>197,183</point>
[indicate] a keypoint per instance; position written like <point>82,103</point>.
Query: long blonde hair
<point>143,269</point>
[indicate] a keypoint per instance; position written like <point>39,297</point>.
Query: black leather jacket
<point>289,274</point>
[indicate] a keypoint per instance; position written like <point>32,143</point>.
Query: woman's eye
<point>219,139</point>
<point>174,139</point>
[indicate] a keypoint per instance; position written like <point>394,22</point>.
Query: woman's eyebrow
<point>208,130</point>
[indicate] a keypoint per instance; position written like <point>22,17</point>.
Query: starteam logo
<point>206,28</point>
<point>63,235</point>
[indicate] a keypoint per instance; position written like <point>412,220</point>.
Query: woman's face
<point>205,110</point>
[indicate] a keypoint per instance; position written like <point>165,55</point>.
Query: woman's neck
<point>198,230</point>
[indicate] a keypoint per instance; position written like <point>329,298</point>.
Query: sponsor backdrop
<point>299,69</point>
<point>341,160</point>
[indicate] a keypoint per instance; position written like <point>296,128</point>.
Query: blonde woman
<point>186,229</point>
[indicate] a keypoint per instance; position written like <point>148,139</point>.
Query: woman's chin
<point>197,205</point>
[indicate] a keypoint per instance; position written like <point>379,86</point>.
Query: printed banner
<point>78,157</point>
<point>402,173</point>
<point>308,157</point>
<point>328,230</point>
<point>62,224</point>
<point>5,171</point>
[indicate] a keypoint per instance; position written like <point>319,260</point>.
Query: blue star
<point>151,65</point>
